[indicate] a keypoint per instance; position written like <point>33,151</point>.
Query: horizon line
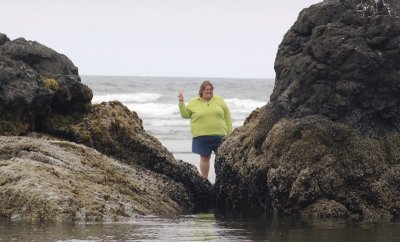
<point>202,77</point>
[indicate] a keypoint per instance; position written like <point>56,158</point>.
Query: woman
<point>210,121</point>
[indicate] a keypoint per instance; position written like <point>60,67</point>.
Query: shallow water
<point>204,227</point>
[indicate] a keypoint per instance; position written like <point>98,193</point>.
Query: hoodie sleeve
<point>185,112</point>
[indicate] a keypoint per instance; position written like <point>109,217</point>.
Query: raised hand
<point>180,95</point>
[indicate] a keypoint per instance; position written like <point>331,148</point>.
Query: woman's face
<point>207,93</point>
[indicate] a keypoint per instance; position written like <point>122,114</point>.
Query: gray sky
<point>200,38</point>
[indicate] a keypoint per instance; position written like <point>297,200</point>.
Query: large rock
<point>114,130</point>
<point>328,143</point>
<point>46,180</point>
<point>36,80</point>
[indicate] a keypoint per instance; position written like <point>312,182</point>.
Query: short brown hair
<point>203,86</point>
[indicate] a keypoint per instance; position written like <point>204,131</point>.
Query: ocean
<point>155,99</point>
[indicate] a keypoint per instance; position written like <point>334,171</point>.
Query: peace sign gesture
<point>180,95</point>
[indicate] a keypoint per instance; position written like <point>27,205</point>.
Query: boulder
<point>34,81</point>
<point>328,143</point>
<point>47,180</point>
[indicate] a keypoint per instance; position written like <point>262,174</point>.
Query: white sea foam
<point>140,97</point>
<point>237,124</point>
<point>168,122</point>
<point>154,110</point>
<point>237,105</point>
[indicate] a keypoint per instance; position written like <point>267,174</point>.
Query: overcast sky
<point>198,38</point>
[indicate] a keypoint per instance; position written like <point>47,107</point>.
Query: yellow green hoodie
<point>207,118</point>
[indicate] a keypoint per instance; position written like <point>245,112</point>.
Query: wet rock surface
<point>43,180</point>
<point>327,144</point>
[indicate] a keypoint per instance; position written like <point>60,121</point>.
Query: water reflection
<point>203,227</point>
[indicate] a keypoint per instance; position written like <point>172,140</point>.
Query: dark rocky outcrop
<point>41,93</point>
<point>328,143</point>
<point>34,81</point>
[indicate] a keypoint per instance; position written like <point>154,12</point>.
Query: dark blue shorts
<point>204,145</point>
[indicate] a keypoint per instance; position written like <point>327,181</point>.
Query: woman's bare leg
<point>205,165</point>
